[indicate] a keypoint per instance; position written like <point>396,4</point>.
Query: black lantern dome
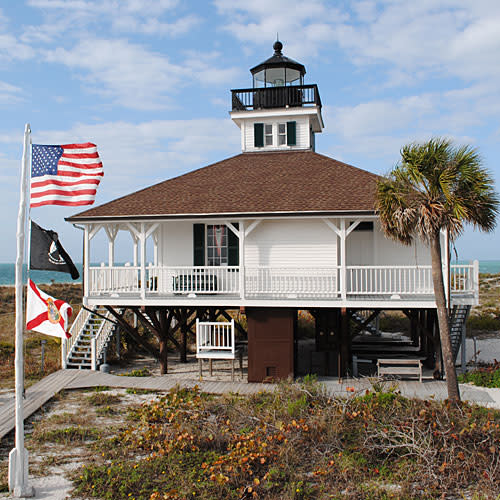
<point>278,70</point>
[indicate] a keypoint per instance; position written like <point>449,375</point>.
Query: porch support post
<point>86,252</point>
<point>142,238</point>
<point>155,251</point>
<point>343,269</point>
<point>136,251</point>
<point>111,233</point>
<point>241,259</point>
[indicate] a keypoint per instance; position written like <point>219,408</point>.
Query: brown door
<point>270,343</point>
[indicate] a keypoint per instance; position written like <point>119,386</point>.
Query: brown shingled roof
<point>251,183</point>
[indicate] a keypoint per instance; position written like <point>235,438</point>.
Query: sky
<point>149,82</point>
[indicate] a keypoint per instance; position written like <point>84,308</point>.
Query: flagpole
<point>18,457</point>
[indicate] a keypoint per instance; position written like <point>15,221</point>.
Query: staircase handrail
<point>75,331</point>
<point>106,329</point>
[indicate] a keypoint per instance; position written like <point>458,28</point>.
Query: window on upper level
<point>264,134</point>
<point>281,134</point>
<point>268,134</point>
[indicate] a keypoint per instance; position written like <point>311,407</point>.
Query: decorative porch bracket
<point>342,233</point>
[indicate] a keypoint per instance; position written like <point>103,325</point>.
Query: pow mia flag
<point>47,253</point>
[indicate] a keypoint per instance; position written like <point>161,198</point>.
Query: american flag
<point>65,175</point>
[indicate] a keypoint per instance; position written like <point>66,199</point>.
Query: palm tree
<point>437,187</point>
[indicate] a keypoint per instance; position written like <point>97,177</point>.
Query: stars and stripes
<point>65,175</point>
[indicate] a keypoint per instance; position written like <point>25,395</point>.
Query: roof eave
<point>315,213</point>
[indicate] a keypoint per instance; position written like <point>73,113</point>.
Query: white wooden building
<point>276,226</point>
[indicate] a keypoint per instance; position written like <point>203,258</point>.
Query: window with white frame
<point>281,134</point>
<point>268,134</point>
<point>217,247</point>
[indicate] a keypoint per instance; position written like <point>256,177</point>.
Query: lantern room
<point>278,70</point>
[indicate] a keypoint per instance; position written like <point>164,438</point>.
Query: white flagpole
<point>18,457</point>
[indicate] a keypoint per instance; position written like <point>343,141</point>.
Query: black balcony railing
<point>275,97</point>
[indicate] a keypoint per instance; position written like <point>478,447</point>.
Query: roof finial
<point>277,46</point>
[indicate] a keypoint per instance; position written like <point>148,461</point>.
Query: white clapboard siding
<point>291,244</point>
<point>302,133</point>
<point>176,246</point>
<point>388,252</point>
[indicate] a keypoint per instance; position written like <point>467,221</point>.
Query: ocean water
<point>7,273</point>
<point>485,266</point>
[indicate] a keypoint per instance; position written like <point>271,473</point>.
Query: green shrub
<point>67,435</point>
<point>483,322</point>
<point>143,372</point>
<point>487,376</point>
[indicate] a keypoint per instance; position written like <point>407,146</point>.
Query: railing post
<point>475,282</point>
<point>93,353</point>
<point>64,363</point>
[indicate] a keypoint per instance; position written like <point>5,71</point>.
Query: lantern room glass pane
<point>293,77</point>
<point>259,79</point>
<point>275,77</point>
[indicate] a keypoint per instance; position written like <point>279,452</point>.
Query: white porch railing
<point>295,282</point>
<point>280,282</point>
<point>119,279</point>
<point>74,331</point>
<point>389,280</point>
<point>198,279</point>
<point>464,278</point>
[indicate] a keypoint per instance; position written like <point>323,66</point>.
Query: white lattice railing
<point>309,282</point>
<point>195,279</point>
<point>121,279</point>
<point>280,282</point>
<point>74,331</point>
<point>389,280</point>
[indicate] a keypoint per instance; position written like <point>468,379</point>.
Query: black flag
<point>47,253</point>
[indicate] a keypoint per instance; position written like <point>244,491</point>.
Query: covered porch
<point>143,282</point>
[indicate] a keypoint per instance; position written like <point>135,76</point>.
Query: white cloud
<point>152,26</point>
<point>9,94</point>
<point>11,48</point>
<point>132,76</point>
<point>79,17</point>
<point>257,23</point>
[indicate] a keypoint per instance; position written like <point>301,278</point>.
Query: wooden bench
<point>401,367</point>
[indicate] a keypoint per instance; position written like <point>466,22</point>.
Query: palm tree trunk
<point>443,320</point>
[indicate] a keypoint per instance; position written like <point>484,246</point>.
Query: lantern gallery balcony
<point>275,97</point>
<point>192,284</point>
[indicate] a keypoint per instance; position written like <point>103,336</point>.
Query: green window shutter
<point>258,135</point>
<point>291,134</point>
<point>198,244</point>
<point>233,247</point>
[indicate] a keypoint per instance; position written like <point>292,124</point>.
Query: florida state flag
<point>45,314</point>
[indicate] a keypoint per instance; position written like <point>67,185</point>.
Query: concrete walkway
<point>45,389</point>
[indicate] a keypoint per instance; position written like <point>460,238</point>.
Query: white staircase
<point>90,337</point>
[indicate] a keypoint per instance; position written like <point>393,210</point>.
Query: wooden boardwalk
<point>45,389</point>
